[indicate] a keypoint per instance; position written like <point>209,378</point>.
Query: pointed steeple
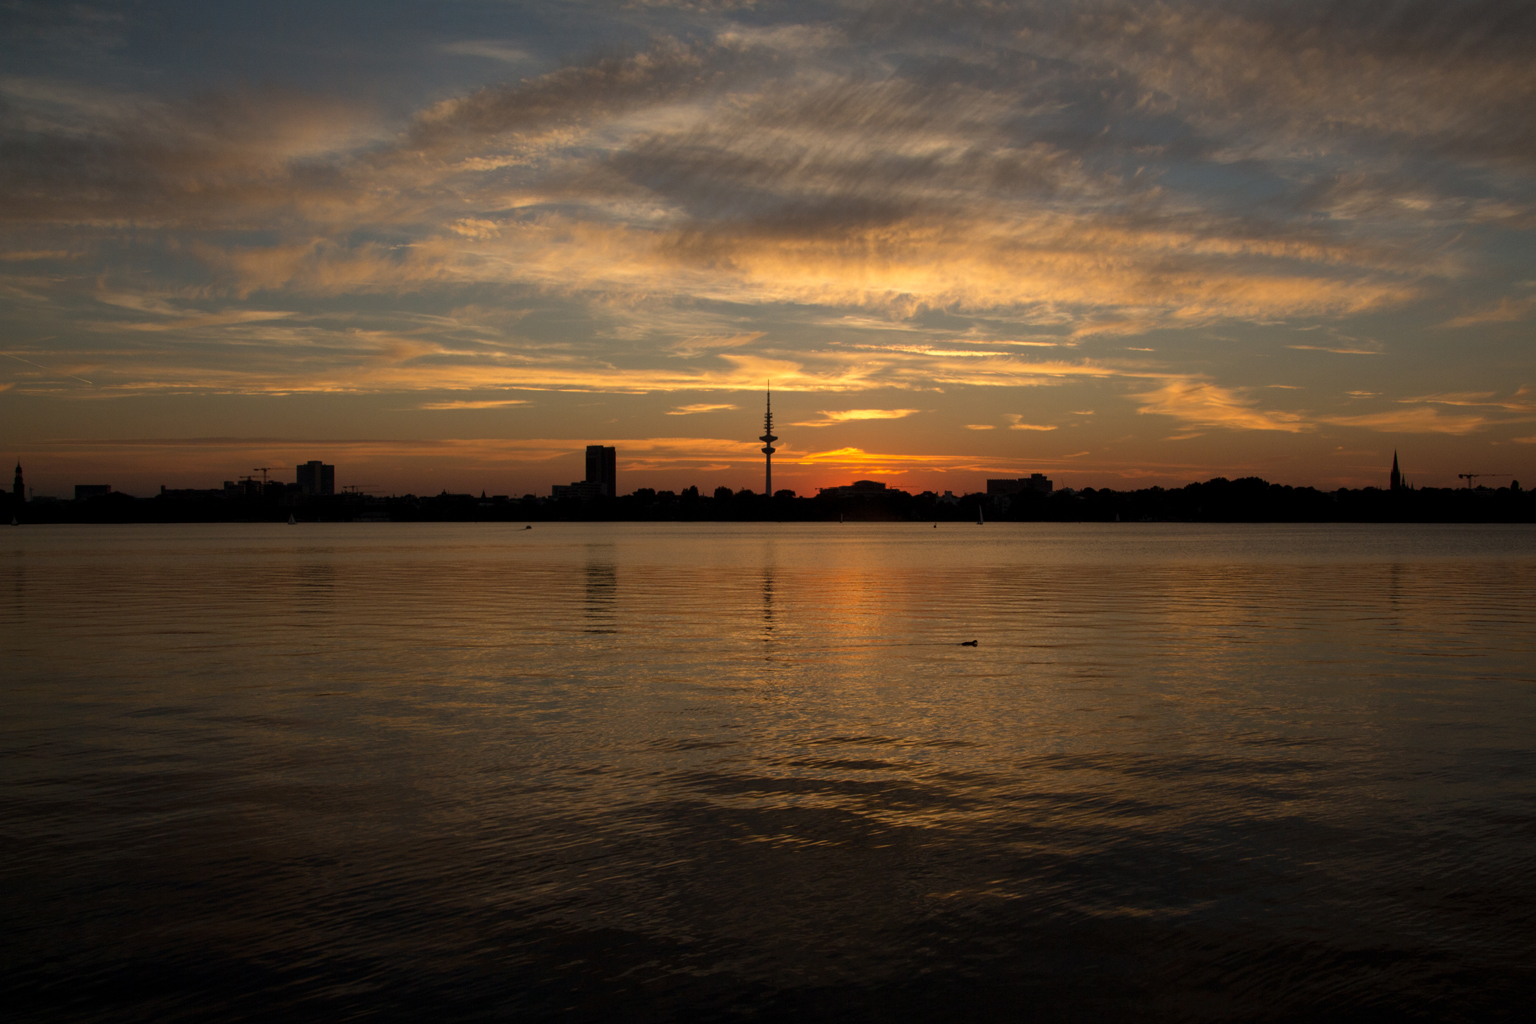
<point>1397,477</point>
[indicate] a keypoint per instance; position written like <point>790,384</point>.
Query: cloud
<point>882,464</point>
<point>1201,403</point>
<point>492,49</point>
<point>831,419</point>
<point>979,426</point>
<point>883,193</point>
<point>730,203</point>
<point>1018,423</point>
<point>689,410</point>
<point>31,255</point>
<point>192,321</point>
<point>700,344</point>
<point>1523,400</point>
<point>491,403</point>
<point>1420,420</point>
<point>1337,350</point>
<point>1451,81</point>
<point>1508,310</point>
<point>667,71</point>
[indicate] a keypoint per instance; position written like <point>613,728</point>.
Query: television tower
<point>768,439</point>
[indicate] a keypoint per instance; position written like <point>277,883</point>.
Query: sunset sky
<point>448,244</point>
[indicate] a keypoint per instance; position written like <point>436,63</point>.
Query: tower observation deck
<point>768,448</point>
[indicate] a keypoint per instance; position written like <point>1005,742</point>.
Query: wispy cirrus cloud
<point>1508,310</point>
<point>491,49</point>
<point>831,418</point>
<point>690,410</point>
<point>1417,420</point>
<point>1123,201</point>
<point>482,403</point>
<point>857,460</point>
<point>1201,403</point>
<point>1340,350</point>
<point>1522,401</point>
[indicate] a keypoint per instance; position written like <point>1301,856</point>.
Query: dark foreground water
<point>696,772</point>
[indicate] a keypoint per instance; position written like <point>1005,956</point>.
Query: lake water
<point>703,771</point>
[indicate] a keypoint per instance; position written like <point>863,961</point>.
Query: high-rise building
<point>316,479</point>
<point>18,491</point>
<point>768,448</point>
<point>603,468</point>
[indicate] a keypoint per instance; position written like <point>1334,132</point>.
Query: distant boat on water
<point>979,520</point>
<point>291,521</point>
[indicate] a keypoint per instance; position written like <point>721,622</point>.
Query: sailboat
<point>291,521</point>
<point>979,520</point>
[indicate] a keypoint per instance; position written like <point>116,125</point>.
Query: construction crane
<point>1469,477</point>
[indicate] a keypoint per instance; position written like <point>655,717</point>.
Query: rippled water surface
<point>696,771</point>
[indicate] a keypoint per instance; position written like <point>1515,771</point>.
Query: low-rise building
<point>1035,482</point>
<point>857,489</point>
<point>585,490</point>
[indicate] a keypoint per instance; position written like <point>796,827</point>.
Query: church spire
<point>1397,477</point>
<point>768,448</point>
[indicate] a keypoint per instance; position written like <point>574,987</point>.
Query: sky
<point>448,244</point>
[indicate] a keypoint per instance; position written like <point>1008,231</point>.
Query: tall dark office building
<point>603,468</point>
<point>18,491</point>
<point>316,478</point>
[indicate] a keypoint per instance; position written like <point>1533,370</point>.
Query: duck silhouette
<point>968,643</point>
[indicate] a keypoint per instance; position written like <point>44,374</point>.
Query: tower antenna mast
<point>768,439</point>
